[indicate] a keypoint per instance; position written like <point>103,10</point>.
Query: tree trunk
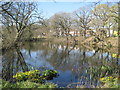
<point>15,42</point>
<point>109,32</point>
<point>85,33</point>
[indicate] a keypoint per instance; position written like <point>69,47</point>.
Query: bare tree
<point>21,15</point>
<point>5,5</point>
<point>62,23</point>
<point>101,16</point>
<point>104,17</point>
<point>84,18</point>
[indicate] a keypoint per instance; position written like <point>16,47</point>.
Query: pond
<point>73,62</point>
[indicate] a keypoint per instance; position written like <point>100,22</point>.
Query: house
<point>111,32</point>
<point>74,32</point>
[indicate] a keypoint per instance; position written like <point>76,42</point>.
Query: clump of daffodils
<point>33,75</point>
<point>36,75</point>
<point>109,82</point>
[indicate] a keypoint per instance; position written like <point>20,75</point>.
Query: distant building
<point>109,32</point>
<point>74,32</point>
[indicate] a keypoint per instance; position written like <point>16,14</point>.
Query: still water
<point>73,62</point>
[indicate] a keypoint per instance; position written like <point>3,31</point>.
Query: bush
<point>109,82</point>
<point>36,75</point>
<point>49,74</point>
<point>101,71</point>
<point>33,75</point>
<point>32,79</point>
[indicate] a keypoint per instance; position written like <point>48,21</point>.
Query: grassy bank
<point>91,40</point>
<point>109,44</point>
<point>31,79</point>
<point>26,84</point>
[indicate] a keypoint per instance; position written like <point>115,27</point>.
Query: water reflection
<point>12,62</point>
<point>72,61</point>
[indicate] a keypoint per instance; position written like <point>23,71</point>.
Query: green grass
<point>36,75</point>
<point>27,84</point>
<point>31,79</point>
<point>109,82</point>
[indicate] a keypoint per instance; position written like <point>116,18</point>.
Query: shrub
<point>109,82</point>
<point>101,71</point>
<point>36,75</point>
<point>49,74</point>
<point>33,75</point>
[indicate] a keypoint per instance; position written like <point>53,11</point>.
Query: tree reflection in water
<point>72,61</point>
<point>12,62</point>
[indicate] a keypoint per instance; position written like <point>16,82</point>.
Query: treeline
<point>101,19</point>
<point>22,20</point>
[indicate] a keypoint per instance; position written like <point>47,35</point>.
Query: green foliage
<point>27,84</point>
<point>36,75</point>
<point>32,79</point>
<point>33,75</point>
<point>116,33</point>
<point>48,85</point>
<point>0,83</point>
<point>24,84</point>
<point>49,74</point>
<point>5,84</point>
<point>109,82</point>
<point>100,71</point>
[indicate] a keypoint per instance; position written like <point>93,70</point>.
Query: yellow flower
<point>115,33</point>
<point>108,79</point>
<point>114,55</point>
<point>116,79</point>
<point>102,79</point>
<point>14,76</point>
<point>36,70</point>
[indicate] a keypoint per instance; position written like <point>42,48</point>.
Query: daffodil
<point>115,78</point>
<point>102,79</point>
<point>114,55</point>
<point>110,77</point>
